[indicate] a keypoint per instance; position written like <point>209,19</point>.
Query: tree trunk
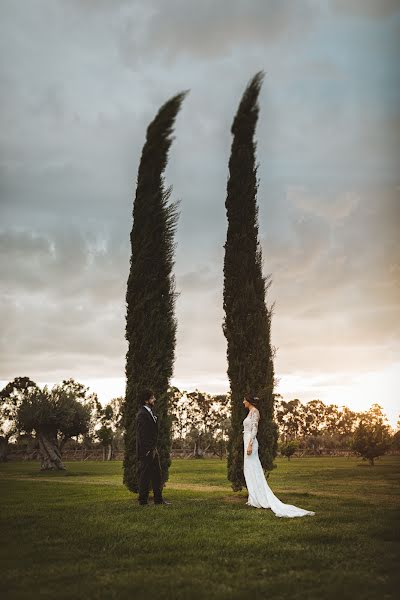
<point>371,462</point>
<point>109,452</point>
<point>50,453</point>
<point>198,451</point>
<point>3,449</point>
<point>195,450</point>
<point>62,442</point>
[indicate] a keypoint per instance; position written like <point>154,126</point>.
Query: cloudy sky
<point>80,81</point>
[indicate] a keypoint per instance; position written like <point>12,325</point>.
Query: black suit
<point>149,469</point>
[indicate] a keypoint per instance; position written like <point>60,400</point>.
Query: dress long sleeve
<point>254,419</point>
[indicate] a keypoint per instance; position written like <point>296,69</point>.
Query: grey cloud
<point>82,314</point>
<point>70,335</point>
<point>64,299</point>
<point>334,208</point>
<point>202,280</point>
<point>338,280</point>
<point>63,264</point>
<point>212,29</point>
<point>67,294</point>
<point>78,90</point>
<point>366,8</point>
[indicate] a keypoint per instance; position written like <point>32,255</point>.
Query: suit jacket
<point>146,433</point>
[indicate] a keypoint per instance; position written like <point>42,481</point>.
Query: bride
<point>260,494</point>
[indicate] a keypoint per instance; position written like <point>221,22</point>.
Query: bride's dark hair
<point>254,400</point>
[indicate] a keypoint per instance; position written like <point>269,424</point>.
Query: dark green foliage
<point>108,433</point>
<point>77,410</point>
<point>288,448</point>
<point>11,397</point>
<point>396,441</point>
<point>247,318</point>
<point>372,436</point>
<point>60,415</point>
<point>52,416</point>
<point>105,435</point>
<point>150,297</point>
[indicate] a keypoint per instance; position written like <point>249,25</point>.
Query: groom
<point>149,469</point>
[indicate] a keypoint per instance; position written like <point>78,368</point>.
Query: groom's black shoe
<point>163,502</point>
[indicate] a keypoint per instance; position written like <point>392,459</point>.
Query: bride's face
<point>246,403</point>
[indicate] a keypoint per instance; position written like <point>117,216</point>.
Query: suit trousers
<point>149,473</point>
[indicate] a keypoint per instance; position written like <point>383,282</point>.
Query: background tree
<point>87,408</point>
<point>317,427</point>
<point>343,429</point>
<point>219,444</point>
<point>291,419</point>
<point>110,424</point>
<point>346,423</point>
<point>372,436</point>
<point>54,417</point>
<point>200,422</point>
<point>313,418</point>
<point>207,417</point>
<point>313,426</point>
<point>150,297</point>
<point>105,433</point>
<point>332,415</point>
<point>396,438</point>
<point>247,318</point>
<point>11,397</point>
<point>117,405</point>
<point>288,448</point>
<point>179,411</point>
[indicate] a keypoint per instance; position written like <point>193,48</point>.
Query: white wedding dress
<point>260,494</point>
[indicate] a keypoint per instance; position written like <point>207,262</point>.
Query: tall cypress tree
<point>150,296</point>
<point>247,318</point>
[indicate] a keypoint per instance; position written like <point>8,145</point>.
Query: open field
<point>81,534</point>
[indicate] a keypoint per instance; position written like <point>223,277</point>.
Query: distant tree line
<point>45,423</point>
<point>317,428</point>
<point>200,423</point>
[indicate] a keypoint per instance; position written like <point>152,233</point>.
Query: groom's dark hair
<point>145,395</point>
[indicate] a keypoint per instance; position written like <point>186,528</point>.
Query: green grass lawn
<point>81,534</point>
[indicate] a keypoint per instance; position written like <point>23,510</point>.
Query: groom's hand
<point>249,449</point>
